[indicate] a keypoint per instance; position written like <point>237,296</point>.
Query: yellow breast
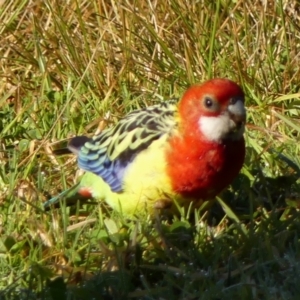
<point>145,180</point>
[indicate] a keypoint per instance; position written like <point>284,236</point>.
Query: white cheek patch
<point>219,128</point>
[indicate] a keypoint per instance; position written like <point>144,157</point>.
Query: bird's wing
<point>109,153</point>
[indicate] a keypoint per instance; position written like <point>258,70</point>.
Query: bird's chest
<point>200,170</point>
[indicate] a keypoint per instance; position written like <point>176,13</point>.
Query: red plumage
<point>205,171</point>
<point>199,167</point>
<point>85,192</point>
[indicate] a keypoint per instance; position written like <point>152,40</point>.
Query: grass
<point>67,66</point>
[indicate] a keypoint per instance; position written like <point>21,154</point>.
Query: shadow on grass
<point>208,256</point>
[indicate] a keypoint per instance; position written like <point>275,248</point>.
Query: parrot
<point>165,155</point>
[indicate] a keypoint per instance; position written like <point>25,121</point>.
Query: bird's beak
<point>237,112</point>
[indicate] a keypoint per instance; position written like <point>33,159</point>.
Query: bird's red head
<point>214,110</point>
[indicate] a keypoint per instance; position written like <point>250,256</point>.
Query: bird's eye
<point>208,102</point>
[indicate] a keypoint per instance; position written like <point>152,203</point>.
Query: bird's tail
<point>69,195</point>
<point>74,145</point>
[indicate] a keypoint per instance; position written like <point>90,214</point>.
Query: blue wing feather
<point>111,171</point>
<point>110,153</point>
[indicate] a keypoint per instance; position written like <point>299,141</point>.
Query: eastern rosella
<point>187,152</point>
